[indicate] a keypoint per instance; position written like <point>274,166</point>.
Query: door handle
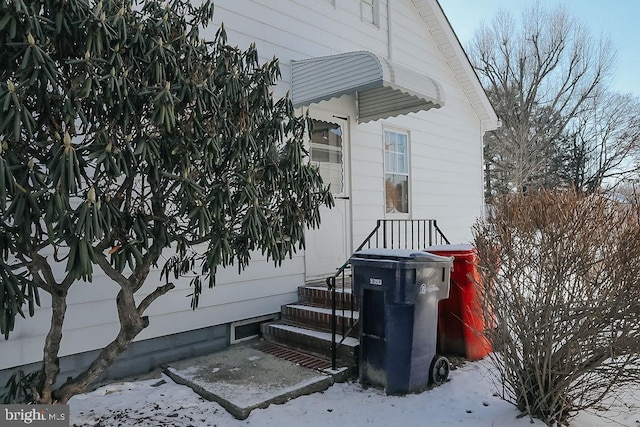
<point>341,197</point>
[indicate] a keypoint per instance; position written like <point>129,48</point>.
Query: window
<point>370,11</point>
<point>396,172</point>
<point>249,328</point>
<point>326,153</point>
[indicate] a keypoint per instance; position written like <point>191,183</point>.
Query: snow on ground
<point>466,400</point>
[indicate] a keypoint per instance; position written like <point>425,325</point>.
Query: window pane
<point>401,164</point>
<point>396,166</point>
<point>397,193</point>
<point>326,153</point>
<point>326,133</point>
<point>368,11</point>
<point>319,154</point>
<point>396,157</point>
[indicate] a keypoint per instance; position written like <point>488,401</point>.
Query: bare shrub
<point>561,276</point>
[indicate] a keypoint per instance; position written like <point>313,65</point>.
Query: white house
<point>400,116</point>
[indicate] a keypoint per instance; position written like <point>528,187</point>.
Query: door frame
<point>344,121</point>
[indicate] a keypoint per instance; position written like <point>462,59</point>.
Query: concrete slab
<point>242,378</point>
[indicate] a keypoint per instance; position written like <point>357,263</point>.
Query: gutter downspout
<point>389,33</point>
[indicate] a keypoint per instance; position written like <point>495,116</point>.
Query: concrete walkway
<point>242,378</point>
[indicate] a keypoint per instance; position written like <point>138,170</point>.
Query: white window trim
<point>376,13</point>
<point>408,174</point>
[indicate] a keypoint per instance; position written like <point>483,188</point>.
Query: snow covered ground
<point>468,399</point>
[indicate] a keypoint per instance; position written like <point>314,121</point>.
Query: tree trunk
<point>50,366</point>
<point>132,322</point>
<point>488,188</point>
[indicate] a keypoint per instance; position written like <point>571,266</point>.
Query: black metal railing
<point>414,234</point>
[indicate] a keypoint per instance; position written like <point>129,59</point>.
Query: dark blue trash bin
<point>398,292</point>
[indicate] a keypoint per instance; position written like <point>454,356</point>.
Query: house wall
<point>141,356</point>
<point>446,143</point>
<point>446,175</point>
<point>92,321</point>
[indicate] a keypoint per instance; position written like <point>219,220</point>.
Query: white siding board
<point>413,41</point>
<point>29,350</point>
<point>297,28</point>
<point>367,171</point>
<point>242,30</point>
<point>370,184</point>
<point>406,45</point>
<point>85,339</point>
<point>26,328</point>
<point>93,325</point>
<point>445,148</point>
<point>217,315</point>
<point>362,230</point>
<point>90,320</point>
<point>369,213</point>
<point>102,288</point>
<point>440,160</point>
<point>261,270</point>
<point>227,294</point>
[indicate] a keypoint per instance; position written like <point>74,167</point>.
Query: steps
<point>320,317</point>
<point>320,296</point>
<point>298,357</point>
<point>306,325</point>
<point>310,340</point>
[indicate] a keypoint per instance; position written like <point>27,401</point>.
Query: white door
<point>327,248</point>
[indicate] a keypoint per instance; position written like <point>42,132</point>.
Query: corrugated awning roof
<point>384,89</point>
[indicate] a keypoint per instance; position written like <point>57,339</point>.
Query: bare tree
<point>560,274</point>
<point>538,73</point>
<point>629,192</point>
<point>602,142</point>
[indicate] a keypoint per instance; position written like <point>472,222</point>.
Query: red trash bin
<point>461,323</point>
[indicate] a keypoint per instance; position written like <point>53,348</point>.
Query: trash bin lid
<point>461,247</point>
<point>400,255</point>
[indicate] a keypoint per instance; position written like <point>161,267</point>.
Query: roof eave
<point>438,24</point>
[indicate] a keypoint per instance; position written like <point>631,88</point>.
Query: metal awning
<point>384,89</point>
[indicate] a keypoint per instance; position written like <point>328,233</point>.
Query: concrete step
<point>312,341</point>
<point>319,318</point>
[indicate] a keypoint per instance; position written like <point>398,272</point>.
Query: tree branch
<point>157,293</point>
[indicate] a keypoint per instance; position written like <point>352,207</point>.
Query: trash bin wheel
<point>439,370</point>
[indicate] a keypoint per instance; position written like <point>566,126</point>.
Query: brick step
<point>321,296</point>
<point>306,360</point>
<point>312,341</point>
<point>314,317</point>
